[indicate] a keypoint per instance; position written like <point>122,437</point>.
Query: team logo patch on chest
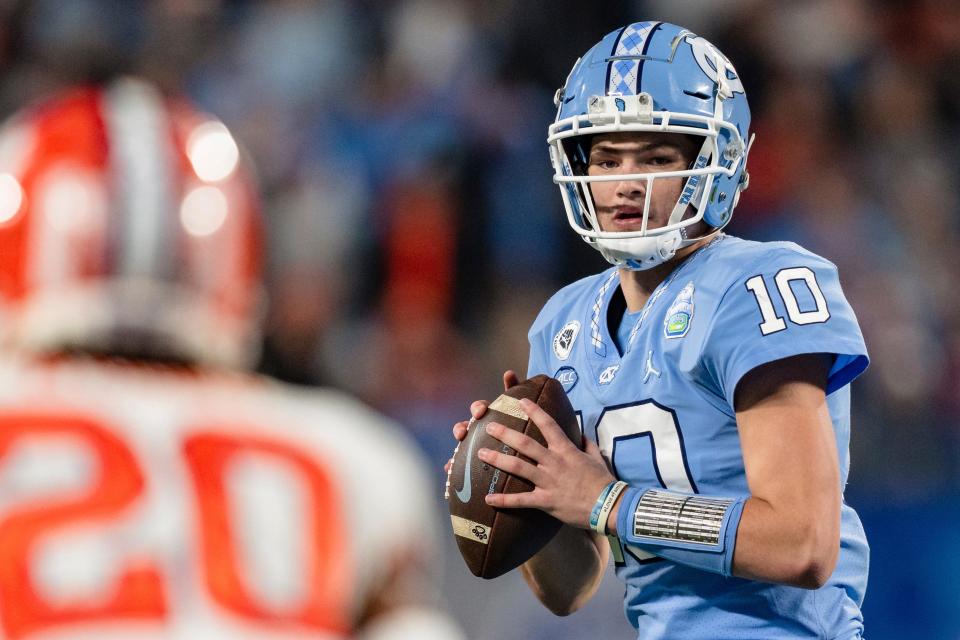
<point>563,341</point>
<point>607,375</point>
<point>679,316</point>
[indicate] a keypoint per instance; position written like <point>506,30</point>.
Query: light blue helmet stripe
<point>624,72</point>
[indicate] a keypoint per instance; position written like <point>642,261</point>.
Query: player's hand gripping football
<point>477,409</point>
<point>567,480</point>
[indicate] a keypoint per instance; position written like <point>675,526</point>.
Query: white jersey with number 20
<point>138,503</point>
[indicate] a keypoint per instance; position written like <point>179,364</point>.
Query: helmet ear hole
<point>577,149</point>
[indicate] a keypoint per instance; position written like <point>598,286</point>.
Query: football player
<point>710,373</point>
<point>149,486</point>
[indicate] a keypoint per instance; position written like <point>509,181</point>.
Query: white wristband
<point>608,502</point>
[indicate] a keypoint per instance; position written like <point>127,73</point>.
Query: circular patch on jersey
<point>563,341</point>
<point>567,377</point>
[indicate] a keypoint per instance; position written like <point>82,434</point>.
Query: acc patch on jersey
<point>567,377</point>
<point>563,341</point>
<point>676,323</point>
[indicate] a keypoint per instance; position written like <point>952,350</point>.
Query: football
<point>494,541</point>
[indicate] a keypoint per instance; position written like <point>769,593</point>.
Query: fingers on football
<point>460,430</point>
<point>522,443</point>
<point>511,464</point>
<point>510,379</point>
<point>552,433</point>
<point>478,408</point>
<point>523,500</point>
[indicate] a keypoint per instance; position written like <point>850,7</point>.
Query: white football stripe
<point>469,529</point>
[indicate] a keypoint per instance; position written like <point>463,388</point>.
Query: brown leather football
<point>495,541</point>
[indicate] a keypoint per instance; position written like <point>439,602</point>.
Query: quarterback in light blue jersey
<point>710,373</point>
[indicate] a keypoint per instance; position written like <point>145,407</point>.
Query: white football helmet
<point>129,226</point>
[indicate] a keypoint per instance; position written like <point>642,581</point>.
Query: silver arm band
<point>678,517</point>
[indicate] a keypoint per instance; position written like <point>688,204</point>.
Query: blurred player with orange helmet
<point>149,486</point>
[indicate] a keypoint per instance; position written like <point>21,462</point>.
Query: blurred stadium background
<point>415,232</point>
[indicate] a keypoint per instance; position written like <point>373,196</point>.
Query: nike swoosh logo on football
<point>466,490</point>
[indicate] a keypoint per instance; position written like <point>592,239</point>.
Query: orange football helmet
<point>129,225</point>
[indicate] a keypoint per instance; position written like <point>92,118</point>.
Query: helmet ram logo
<point>708,57</point>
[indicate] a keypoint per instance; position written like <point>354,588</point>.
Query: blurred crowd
<point>415,232</point>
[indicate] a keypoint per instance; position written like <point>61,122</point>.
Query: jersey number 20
<point>139,592</point>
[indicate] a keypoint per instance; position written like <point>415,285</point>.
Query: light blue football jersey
<point>662,414</point>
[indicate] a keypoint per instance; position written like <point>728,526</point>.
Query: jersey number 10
<point>773,323</point>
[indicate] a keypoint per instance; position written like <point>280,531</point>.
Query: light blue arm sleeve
<point>789,304</point>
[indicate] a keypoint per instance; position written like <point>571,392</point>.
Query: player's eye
<point>605,164</point>
<point>661,160</point>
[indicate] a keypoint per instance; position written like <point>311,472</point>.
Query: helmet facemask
<point>720,154</point>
